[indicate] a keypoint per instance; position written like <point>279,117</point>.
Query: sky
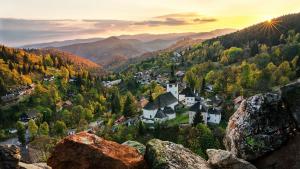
<point>35,21</point>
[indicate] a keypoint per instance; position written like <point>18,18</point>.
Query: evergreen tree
<point>10,66</point>
<point>2,87</point>
<point>198,118</point>
<point>130,108</point>
<point>115,102</point>
<point>21,132</point>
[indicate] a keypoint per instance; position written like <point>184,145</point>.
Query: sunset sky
<point>34,21</point>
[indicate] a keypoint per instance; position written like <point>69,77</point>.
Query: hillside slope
<point>268,32</point>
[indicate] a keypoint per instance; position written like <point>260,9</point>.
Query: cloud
<point>179,15</point>
<point>177,19</point>
<point>17,32</point>
<point>205,20</point>
<point>166,22</point>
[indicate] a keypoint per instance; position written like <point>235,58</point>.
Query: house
<point>63,104</point>
<point>120,120</point>
<point>31,114</point>
<point>71,132</point>
<point>95,124</point>
<point>49,78</point>
<point>173,89</point>
<point>187,97</point>
<point>179,73</point>
<point>9,98</point>
<point>161,109</point>
<point>209,113</point>
<point>112,83</point>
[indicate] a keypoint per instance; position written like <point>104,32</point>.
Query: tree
<point>115,101</point>
<point>130,107</point>
<point>198,118</point>
<point>2,87</point>
<point>33,129</point>
<point>191,79</point>
<point>60,128</point>
<point>141,128</point>
<point>82,125</point>
<point>21,132</point>
<point>44,129</point>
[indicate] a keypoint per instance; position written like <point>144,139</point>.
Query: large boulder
<point>260,125</point>
<point>84,150</point>
<point>287,157</point>
<point>168,155</point>
<point>291,98</point>
<point>141,148</point>
<point>221,159</point>
<point>9,156</point>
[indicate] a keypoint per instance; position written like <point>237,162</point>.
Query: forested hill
<point>268,32</point>
<point>66,56</point>
<point>20,67</point>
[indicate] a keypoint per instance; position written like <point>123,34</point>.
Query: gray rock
<point>291,98</point>
<point>34,166</point>
<point>222,159</point>
<point>9,156</point>
<point>286,157</point>
<point>168,155</point>
<point>260,125</point>
<point>141,148</point>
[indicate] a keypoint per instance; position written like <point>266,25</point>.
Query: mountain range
<point>119,48</point>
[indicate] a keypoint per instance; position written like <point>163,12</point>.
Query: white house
<point>161,109</point>
<point>187,97</point>
<point>209,114</point>
<point>173,88</point>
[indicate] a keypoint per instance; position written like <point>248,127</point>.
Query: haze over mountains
<point>105,51</point>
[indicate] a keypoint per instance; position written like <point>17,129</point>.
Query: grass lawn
<point>182,118</point>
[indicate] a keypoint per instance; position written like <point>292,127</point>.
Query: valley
<point>154,100</point>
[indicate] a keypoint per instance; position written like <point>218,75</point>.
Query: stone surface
<point>260,125</point>
<point>87,151</point>
<point>287,157</point>
<point>33,166</point>
<point>221,159</point>
<point>291,97</point>
<point>141,148</point>
<point>167,155</point>
<point>9,156</point>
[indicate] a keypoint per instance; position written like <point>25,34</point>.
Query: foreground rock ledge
<point>87,151</point>
<point>168,155</point>
<point>261,125</point>
<point>222,159</point>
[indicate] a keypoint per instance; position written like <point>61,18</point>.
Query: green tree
<point>44,129</point>
<point>60,128</point>
<point>82,125</point>
<point>198,118</point>
<point>115,101</point>
<point>21,132</point>
<point>130,107</point>
<point>33,129</point>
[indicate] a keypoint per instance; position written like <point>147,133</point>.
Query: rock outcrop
<point>260,125</point>
<point>221,159</point>
<point>168,155</point>
<point>141,148</point>
<point>9,156</point>
<point>34,166</point>
<point>291,98</point>
<point>84,150</point>
<point>287,157</point>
